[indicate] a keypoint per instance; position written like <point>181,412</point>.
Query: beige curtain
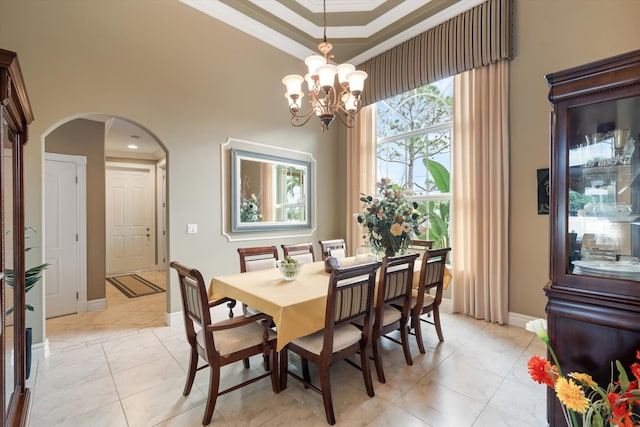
<point>266,180</point>
<point>361,167</point>
<point>480,215</point>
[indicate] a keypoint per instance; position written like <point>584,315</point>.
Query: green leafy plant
<point>439,211</point>
<point>32,275</point>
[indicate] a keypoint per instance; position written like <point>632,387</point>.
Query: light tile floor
<point>124,367</point>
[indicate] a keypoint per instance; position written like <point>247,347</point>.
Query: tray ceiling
<point>358,29</point>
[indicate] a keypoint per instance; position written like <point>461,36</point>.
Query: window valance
<point>475,38</point>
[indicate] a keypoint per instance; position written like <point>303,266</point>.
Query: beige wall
<point>190,80</point>
<point>193,82</point>
<point>549,36</point>
<point>86,138</point>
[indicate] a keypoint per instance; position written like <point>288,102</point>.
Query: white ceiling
<point>120,133</point>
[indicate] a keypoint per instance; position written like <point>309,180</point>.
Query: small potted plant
<point>32,276</point>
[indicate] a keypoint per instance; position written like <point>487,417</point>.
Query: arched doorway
<point>104,140</point>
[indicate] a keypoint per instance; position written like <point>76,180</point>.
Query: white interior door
<point>130,217</point>
<point>65,231</point>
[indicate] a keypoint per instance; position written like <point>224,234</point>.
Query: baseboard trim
<point>172,318</point>
<point>40,350</point>
<point>517,319</point>
<point>513,319</point>
<point>96,304</point>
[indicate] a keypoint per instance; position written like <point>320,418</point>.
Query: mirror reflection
<point>269,192</point>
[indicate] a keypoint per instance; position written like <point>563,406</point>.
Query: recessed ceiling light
<point>132,146</point>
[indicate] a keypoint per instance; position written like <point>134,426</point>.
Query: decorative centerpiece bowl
<point>289,268</point>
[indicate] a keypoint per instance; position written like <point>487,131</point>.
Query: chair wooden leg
<point>404,335</point>
<point>191,373</point>
<point>436,322</point>
<point>214,384</point>
<point>284,367</point>
<point>366,371</point>
<point>417,331</point>
<point>325,385</point>
<point>305,371</point>
<point>245,362</point>
<point>265,362</point>
<point>377,360</point>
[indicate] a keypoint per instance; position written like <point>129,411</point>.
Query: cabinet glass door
<point>603,204</point>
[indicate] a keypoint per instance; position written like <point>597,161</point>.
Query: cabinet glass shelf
<point>603,208</point>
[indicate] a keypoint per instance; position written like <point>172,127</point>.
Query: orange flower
<point>618,408</point>
<point>624,421</point>
<point>540,370</point>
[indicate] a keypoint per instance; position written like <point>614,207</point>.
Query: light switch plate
<point>192,228</point>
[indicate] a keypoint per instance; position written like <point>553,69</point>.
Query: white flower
<point>539,327</point>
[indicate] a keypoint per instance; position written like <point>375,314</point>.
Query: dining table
<point>296,306</point>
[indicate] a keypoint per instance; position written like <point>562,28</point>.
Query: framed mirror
<point>269,192</point>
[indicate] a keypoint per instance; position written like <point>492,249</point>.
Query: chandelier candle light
<point>326,102</point>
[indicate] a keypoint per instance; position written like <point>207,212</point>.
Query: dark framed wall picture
<point>543,191</point>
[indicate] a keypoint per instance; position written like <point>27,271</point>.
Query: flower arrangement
<point>250,209</point>
<point>580,394</point>
<point>390,219</point>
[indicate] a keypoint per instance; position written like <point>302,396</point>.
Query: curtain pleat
<point>480,215</point>
<point>473,39</point>
<point>361,160</point>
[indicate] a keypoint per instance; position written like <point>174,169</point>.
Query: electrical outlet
<point>192,228</point>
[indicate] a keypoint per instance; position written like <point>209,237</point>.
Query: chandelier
<point>325,101</point>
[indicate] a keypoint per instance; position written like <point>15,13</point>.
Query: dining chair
<point>222,343</point>
<point>302,252</point>
<point>257,258</point>
<point>254,259</point>
<point>422,300</point>
<point>336,248</point>
<point>393,303</point>
<point>349,298</point>
<point>421,244</point>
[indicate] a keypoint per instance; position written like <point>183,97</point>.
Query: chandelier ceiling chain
<point>325,101</point>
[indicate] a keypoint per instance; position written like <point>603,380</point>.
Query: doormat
<point>134,286</point>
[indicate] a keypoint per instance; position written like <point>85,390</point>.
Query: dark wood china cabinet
<point>15,116</point>
<point>593,304</point>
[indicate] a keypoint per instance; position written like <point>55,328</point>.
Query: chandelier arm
<point>347,119</point>
<point>299,121</point>
<point>297,114</point>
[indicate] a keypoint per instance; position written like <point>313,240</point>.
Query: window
<point>414,151</point>
<point>289,182</point>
